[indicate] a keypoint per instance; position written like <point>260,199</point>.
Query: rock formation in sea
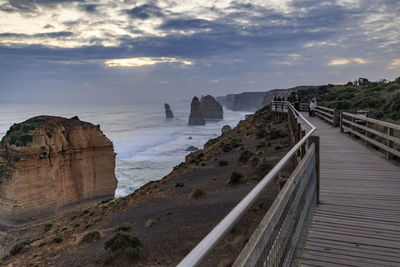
<point>192,148</point>
<point>225,128</point>
<point>196,116</point>
<point>50,164</point>
<point>211,108</point>
<point>168,112</point>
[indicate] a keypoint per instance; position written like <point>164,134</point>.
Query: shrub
<point>13,138</point>
<point>223,163</point>
<point>58,239</point>
<point>235,178</point>
<point>236,142</point>
<point>122,240</point>
<point>226,147</point>
<point>123,227</point>
<point>274,134</point>
<point>261,145</point>
<point>47,227</point>
<point>264,167</point>
<point>245,156</point>
<point>24,140</point>
<point>260,134</point>
<point>17,248</point>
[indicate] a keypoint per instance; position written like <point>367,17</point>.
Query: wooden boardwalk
<point>357,222</point>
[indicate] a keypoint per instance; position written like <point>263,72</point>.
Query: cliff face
<point>196,116</point>
<point>48,163</point>
<point>250,101</point>
<point>211,108</point>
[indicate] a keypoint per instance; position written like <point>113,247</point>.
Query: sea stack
<point>168,112</point>
<point>211,108</point>
<point>196,116</point>
<point>48,164</point>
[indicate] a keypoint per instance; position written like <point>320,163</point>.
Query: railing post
<point>390,132</point>
<point>341,121</point>
<point>315,139</point>
<point>335,118</point>
<point>303,147</point>
<point>352,127</point>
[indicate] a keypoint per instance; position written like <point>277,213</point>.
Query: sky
<point>169,50</point>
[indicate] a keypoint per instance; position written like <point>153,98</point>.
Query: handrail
<point>327,114</point>
<point>210,241</point>
<point>359,125</point>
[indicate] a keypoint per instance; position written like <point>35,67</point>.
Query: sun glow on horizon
<point>143,61</point>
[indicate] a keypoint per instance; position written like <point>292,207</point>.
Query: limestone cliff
<point>168,112</point>
<point>196,116</point>
<point>211,108</point>
<point>50,163</point>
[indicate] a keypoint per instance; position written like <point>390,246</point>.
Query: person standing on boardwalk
<point>297,103</point>
<point>313,106</point>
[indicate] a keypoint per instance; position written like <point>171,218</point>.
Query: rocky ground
<point>161,222</point>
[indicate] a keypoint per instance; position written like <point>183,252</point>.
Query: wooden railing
<point>327,114</point>
<point>379,134</point>
<point>274,240</point>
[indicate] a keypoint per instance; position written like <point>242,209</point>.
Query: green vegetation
<point>122,244</point>
<point>223,163</point>
<point>245,156</point>
<point>123,227</point>
<point>381,99</point>
<point>17,248</point>
<point>47,227</point>
<point>234,143</point>
<point>235,178</point>
<point>58,239</point>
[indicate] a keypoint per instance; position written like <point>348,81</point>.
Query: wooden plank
<point>353,247</point>
<point>358,220</point>
<point>382,123</point>
<point>327,109</point>
<point>374,142</point>
<point>370,130</point>
<point>378,260</point>
<point>324,113</point>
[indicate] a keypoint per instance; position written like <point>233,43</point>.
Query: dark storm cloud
<point>40,35</point>
<point>90,8</point>
<point>185,24</point>
<point>144,12</point>
<point>31,6</point>
<point>278,44</point>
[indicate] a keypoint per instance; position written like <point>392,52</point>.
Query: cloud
<point>346,61</point>
<point>90,8</point>
<point>143,61</point>
<point>144,12</point>
<point>394,64</point>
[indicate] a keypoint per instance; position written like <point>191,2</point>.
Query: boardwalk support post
<point>315,139</point>
<point>390,132</point>
<point>341,121</point>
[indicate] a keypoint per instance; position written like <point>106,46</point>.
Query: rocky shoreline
<point>169,216</point>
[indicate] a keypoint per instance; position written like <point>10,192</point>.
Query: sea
<point>148,145</point>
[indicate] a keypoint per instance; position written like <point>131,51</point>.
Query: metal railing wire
<point>197,255</point>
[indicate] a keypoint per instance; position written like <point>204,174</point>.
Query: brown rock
<point>196,116</point>
<point>49,164</point>
<point>211,108</point>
